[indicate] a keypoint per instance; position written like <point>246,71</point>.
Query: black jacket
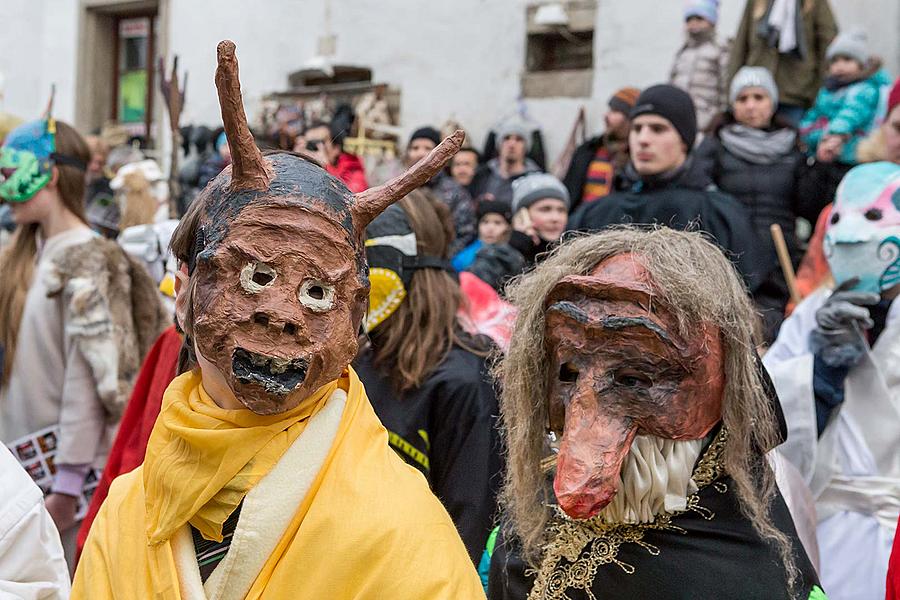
<point>686,200</point>
<point>447,429</point>
<point>769,192</point>
<point>714,554</point>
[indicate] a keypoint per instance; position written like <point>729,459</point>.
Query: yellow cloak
<point>339,516</point>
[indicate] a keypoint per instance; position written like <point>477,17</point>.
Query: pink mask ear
<point>369,204</point>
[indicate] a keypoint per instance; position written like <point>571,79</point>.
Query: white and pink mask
<point>863,235</point>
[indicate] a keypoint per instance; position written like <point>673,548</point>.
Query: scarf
<point>699,38</point>
<point>202,460</point>
<point>757,146</point>
<point>341,516</point>
<point>782,29</point>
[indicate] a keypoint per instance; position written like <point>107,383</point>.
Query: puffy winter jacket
<point>849,110</point>
<point>768,191</point>
<point>700,69</point>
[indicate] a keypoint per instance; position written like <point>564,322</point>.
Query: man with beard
<point>598,162</point>
<point>632,378</point>
<point>267,473</point>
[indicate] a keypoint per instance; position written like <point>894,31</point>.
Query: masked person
<point>267,474</point>
<point>835,364</point>
<point>76,317</point>
<point>428,379</point>
<point>633,353</point>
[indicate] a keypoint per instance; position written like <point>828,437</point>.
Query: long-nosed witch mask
<point>622,369</point>
<point>278,262</point>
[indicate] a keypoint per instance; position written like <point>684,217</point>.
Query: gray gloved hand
<point>838,338</point>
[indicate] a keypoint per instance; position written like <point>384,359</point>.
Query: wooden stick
<point>784,258</point>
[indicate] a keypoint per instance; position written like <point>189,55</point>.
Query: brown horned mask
<point>279,260</point>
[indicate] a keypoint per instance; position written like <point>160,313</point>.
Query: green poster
<point>132,96</point>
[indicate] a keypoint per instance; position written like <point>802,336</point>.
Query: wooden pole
<point>173,94</point>
<point>784,258</point>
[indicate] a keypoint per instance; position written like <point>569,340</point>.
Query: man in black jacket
<point>597,163</point>
<point>665,187</point>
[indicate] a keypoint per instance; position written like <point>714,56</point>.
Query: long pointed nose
<point>590,459</point>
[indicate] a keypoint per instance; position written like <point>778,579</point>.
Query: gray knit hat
<point>532,187</point>
<point>513,128</point>
<point>852,44</point>
<point>753,77</point>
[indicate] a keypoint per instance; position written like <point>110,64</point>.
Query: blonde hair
<point>18,257</point>
<point>699,284</point>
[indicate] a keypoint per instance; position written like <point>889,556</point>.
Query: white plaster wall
<point>37,48</point>
<point>459,58</point>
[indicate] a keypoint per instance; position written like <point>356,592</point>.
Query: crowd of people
<point>667,370</point>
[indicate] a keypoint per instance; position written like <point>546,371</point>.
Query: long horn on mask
<point>248,169</point>
<point>369,204</point>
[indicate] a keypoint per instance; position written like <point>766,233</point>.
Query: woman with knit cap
<point>754,155</point>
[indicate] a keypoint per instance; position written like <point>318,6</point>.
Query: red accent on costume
<point>814,271</point>
<point>130,444</point>
<point>893,574</point>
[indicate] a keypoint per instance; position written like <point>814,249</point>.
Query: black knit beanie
<point>672,104</point>
<point>487,207</point>
<point>428,133</point>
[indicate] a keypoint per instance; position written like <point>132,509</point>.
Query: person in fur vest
<point>76,316</point>
<point>701,64</point>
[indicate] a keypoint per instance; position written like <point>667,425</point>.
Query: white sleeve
<point>32,563</point>
<point>790,364</point>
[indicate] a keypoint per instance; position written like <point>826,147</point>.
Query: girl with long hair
<point>426,378</point>
<point>69,335</point>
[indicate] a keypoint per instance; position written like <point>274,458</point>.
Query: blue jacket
<point>850,111</point>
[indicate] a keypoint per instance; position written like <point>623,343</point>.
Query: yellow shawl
<point>364,524</point>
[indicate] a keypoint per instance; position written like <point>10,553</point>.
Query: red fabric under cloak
<point>893,574</point>
<point>127,453</point>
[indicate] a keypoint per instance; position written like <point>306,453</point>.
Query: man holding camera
<point>319,141</point>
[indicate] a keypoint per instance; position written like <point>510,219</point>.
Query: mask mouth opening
<point>279,376</point>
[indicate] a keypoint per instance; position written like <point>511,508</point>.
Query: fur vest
<point>113,312</point>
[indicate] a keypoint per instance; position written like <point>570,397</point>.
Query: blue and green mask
<point>27,158</point>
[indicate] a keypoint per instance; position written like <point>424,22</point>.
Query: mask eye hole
<point>835,218</point>
<point>568,373</point>
<point>256,276</point>
<point>632,380</point>
<point>873,214</point>
<point>316,295</point>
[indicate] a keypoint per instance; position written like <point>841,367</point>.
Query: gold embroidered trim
<point>571,537</point>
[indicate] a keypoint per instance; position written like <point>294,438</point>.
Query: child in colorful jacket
<point>847,105</point>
